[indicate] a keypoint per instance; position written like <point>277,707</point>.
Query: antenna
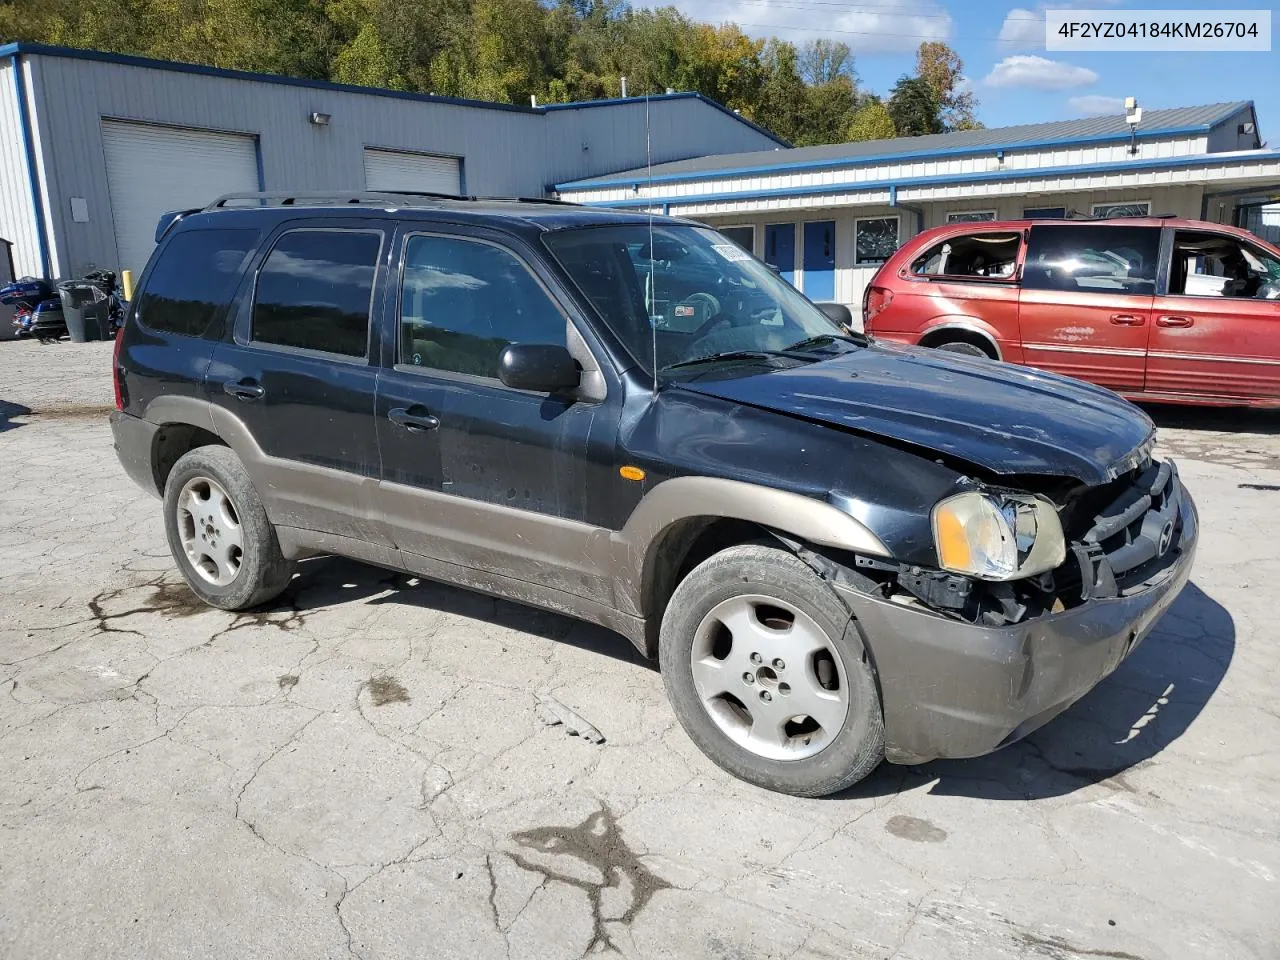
<point>652,296</point>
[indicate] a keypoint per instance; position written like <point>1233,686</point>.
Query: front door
<point>1086,298</point>
<point>1217,332</point>
<point>780,249</point>
<point>476,473</point>
<point>820,260</point>
<point>297,377</point>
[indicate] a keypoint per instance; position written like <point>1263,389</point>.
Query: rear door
<point>297,377</point>
<point>1217,331</point>
<point>1085,306</point>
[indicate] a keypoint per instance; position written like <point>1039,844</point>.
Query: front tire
<point>219,533</point>
<point>767,674</point>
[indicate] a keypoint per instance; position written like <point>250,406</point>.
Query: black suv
<point>838,551</point>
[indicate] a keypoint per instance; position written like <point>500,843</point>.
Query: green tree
<point>871,122</point>
<point>782,92</point>
<point>914,108</point>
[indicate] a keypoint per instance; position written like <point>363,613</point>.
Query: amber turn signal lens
<point>631,473</point>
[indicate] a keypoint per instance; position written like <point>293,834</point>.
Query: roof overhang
<point>1225,170</point>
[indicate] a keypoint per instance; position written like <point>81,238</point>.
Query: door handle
<point>244,389</point>
<point>1128,319</point>
<point>414,422</point>
<point>1174,321</point>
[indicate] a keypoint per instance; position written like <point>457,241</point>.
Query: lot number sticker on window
<point>731,252</point>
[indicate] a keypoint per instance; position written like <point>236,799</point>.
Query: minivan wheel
<point>968,349</point>
<point>768,675</point>
<point>219,533</point>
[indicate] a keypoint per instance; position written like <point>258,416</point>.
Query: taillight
<point>874,300</point>
<point>115,370</point>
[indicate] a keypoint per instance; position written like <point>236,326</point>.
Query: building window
<point>745,237</point>
<point>1044,213</point>
<point>1136,208</point>
<point>970,216</point>
<point>874,240</point>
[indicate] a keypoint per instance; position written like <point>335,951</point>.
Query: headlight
<point>997,537</point>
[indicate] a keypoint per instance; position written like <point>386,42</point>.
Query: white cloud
<point>1038,73</point>
<point>1023,29</point>
<point>1096,105</point>
<point>872,26</point>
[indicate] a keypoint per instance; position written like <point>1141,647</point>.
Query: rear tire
<point>219,533</point>
<point>964,348</point>
<point>767,674</point>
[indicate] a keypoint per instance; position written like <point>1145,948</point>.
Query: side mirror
<point>540,367</point>
<point>837,313</point>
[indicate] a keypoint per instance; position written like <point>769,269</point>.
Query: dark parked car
<point>837,552</point>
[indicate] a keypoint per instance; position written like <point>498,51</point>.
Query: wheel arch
<point>683,521</point>
<point>964,329</point>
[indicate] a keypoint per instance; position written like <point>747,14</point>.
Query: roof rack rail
<point>322,197</point>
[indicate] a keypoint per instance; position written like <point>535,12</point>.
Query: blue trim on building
<point>29,149</point>
<point>882,158</point>
<point>1207,159</point>
<point>683,95</point>
<point>257,156</point>
<point>99,56</point>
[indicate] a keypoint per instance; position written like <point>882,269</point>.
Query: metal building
<point>828,216</point>
<point>94,147</point>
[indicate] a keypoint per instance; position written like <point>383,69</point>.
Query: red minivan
<point>1157,309</point>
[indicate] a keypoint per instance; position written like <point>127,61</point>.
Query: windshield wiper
<point>738,355</point>
<point>825,338</point>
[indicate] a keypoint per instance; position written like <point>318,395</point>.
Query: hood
<point>1003,418</point>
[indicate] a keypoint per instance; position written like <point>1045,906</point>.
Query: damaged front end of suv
<point>1026,546</point>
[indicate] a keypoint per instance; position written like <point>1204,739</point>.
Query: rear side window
<point>315,289</point>
<point>193,281</point>
<point>985,256</point>
<point>1092,259</point>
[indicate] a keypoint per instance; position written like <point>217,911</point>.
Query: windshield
<point>692,292</point>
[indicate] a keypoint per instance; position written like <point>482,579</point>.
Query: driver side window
<point>1217,265</point>
<point>463,301</point>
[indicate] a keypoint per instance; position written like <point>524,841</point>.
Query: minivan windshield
<point>688,297</point>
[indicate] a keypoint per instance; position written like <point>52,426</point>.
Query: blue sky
<point>1002,45</point>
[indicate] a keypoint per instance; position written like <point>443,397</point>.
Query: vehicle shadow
<point>10,410</point>
<point>326,581</point>
<point>1219,419</point>
<point>1150,701</point>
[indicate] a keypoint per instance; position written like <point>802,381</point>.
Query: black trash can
<point>86,310</point>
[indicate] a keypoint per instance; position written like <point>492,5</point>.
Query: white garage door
<point>390,170</point>
<point>152,170</point>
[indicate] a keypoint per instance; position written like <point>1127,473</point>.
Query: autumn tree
<point>942,69</point>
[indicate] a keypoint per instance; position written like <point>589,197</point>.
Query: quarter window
<point>874,240</point>
<point>314,291</point>
<point>987,256</point>
<point>1092,259</point>
<point>462,301</point>
<point>193,281</point>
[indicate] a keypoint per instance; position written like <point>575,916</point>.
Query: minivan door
<point>296,383</point>
<point>1217,331</point>
<point>1086,299</point>
<point>474,473</point>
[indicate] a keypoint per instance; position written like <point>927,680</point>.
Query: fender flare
<point>966,324</point>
